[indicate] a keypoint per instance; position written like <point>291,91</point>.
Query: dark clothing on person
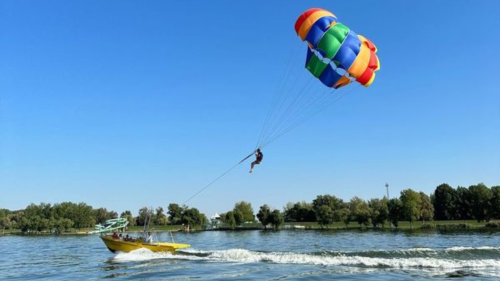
<point>259,156</point>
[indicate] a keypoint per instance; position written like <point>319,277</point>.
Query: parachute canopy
<point>336,55</point>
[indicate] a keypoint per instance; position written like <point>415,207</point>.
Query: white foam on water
<point>245,256</point>
<point>411,250</point>
<point>459,249</point>
<point>462,248</point>
<point>418,250</point>
<point>193,251</point>
<point>145,255</point>
<point>430,250</point>
<point>451,249</point>
<point>236,255</point>
<point>140,255</point>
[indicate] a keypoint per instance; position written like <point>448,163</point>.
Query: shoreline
<point>440,226</point>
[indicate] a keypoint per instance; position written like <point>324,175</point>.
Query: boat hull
<point>119,245</point>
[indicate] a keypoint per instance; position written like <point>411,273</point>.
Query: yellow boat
<point>118,244</point>
<point>127,244</point>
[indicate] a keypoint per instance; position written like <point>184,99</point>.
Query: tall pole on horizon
<point>387,189</point>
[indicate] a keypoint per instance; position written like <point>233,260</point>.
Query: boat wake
<point>140,255</point>
<point>450,258</point>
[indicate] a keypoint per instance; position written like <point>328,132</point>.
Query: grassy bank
<point>402,225</point>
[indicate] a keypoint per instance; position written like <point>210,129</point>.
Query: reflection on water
<point>289,255</point>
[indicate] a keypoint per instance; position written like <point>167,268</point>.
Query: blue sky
<point>125,104</point>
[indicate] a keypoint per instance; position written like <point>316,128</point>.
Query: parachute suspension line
<point>286,106</point>
<point>305,100</point>
<point>302,111</point>
<point>339,97</point>
<point>311,113</point>
<point>291,111</point>
<point>288,103</point>
<point>315,112</point>
<point>280,86</point>
<point>297,119</point>
<point>301,104</point>
<point>280,99</point>
<point>331,99</point>
<point>303,93</point>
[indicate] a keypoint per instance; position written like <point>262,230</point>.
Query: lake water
<point>259,255</point>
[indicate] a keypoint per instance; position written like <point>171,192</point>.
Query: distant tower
<point>387,189</point>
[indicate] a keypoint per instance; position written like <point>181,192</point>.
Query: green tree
<point>463,204</point>
<point>325,215</point>
<point>426,208</point>
<point>495,202</point>
<point>411,205</point>
<point>228,219</point>
<point>142,217</point>
<point>480,202</point>
<point>276,219</point>
<point>193,217</point>
<point>65,210</point>
<point>238,217</point>
<point>112,215</point>
<point>161,218</point>
<point>379,212</point>
<point>83,216</point>
<point>101,215</point>
<point>327,209</point>
<point>174,213</point>
<point>15,218</point>
<point>45,210</point>
<point>34,218</point>
<point>395,211</point>
<point>343,214</point>
<point>5,223</point>
<point>264,215</point>
<point>29,224</point>
<point>62,225</point>
<point>360,211</point>
<point>245,208</point>
<point>32,210</point>
<point>128,215</point>
<point>4,220</point>
<point>445,198</point>
<point>45,225</point>
<point>289,212</point>
<point>299,212</point>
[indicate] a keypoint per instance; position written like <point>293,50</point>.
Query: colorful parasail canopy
<point>336,55</point>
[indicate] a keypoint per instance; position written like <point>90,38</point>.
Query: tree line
<point>62,217</point>
<point>476,202</point>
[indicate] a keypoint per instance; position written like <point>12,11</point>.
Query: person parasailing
<point>258,158</point>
